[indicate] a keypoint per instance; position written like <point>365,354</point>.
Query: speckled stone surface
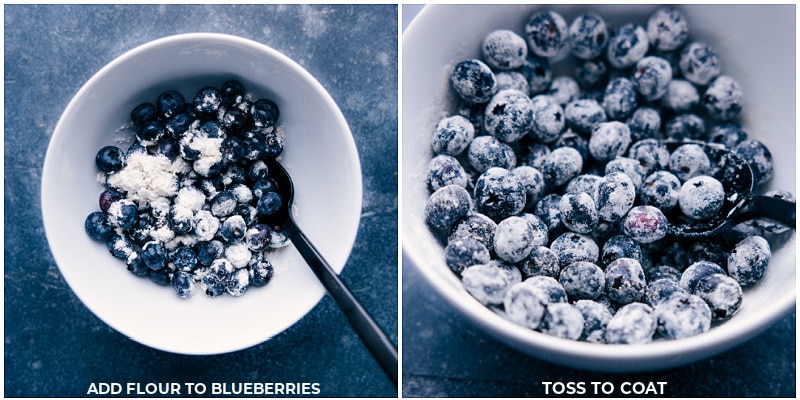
<point>53,345</point>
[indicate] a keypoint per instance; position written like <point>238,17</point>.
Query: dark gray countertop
<point>53,345</point>
<point>445,355</point>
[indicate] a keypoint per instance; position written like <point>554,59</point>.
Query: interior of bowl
<point>744,36</point>
<point>319,153</point>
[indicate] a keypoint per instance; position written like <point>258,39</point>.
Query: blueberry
<point>564,89</point>
<point>688,161</point>
<point>586,183</point>
<point>661,190</point>
<point>614,196</point>
<point>488,283</point>
<point>595,319</point>
<point>257,237</point>
<point>140,233</point>
<point>625,281</point>
<point>232,149</point>
<point>681,96</point>
<point>110,159</point>
<point>107,197</point>
<point>503,49</point>
<point>701,197</point>
<point>539,73</point>
<point>207,101</point>
<point>261,272</point>
<point>180,219</point>
<point>142,113</point>
<point>474,81</point>
<point>161,277</point>
<point>722,293</point>
<point>524,305</point>
<point>184,259</point>
<point>584,115</point>
<point>651,77</point>
<point>627,45</point>
<point>667,29</point>
<point>170,103</point>
<point>727,134</point>
<point>213,130</point>
<point>609,140</point>
<point>578,212</point>
<point>183,283</point>
<point>154,255</point>
<point>549,118</point>
<point>540,262</point>
<point>650,154</point>
<point>749,260</point>
<point>660,289</point>
<point>509,115</point>
<point>498,194</point>
<point>513,239</point>
<point>446,206</point>
<point>218,277</point>
<point>239,283</point>
<point>619,98</point>
<point>582,280</point>
<point>562,320</point>
<point>269,204</point>
<point>588,35</point>
<point>257,170</point>
<point>645,224</point>
<point>136,265</point>
<point>682,315</point>
<point>120,246</point>
<point>592,73</point>
<point>209,251</point>
<point>446,170</point>
<point>620,246</point>
<point>234,121</point>
<point>123,214</point>
<point>632,324</point>
<point>178,125</point>
<point>465,252</point>
<point>697,271</point>
<point>548,209</point>
<point>189,147</point>
<point>168,147</point>
<point>265,113</point>
<point>452,135</point>
<point>98,227</point>
<point>233,229</point>
<point>231,92</point>
<point>533,181</point>
<point>511,80</point>
<point>685,126</point>
<point>223,204</point>
<point>549,289</point>
<point>263,186</point>
<point>699,63</point>
<point>547,33</point>
<point>476,226</point>
<point>533,154</point>
<point>572,247</point>
<point>234,174</point>
<point>273,146</point>
<point>758,157</point>
<point>561,165</point>
<point>150,133</point>
<point>663,272</point>
<point>486,152</point>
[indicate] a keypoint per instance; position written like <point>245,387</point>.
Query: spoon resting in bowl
<point>740,203</point>
<point>370,333</point>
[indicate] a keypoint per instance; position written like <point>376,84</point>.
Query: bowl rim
<point>348,146</point>
<point>656,355</point>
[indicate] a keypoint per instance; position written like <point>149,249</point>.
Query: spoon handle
<point>371,334</point>
<point>770,207</point>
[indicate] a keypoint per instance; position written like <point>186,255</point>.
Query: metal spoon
<point>740,203</point>
<point>371,334</point>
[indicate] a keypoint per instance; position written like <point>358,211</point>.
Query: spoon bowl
<point>740,204</point>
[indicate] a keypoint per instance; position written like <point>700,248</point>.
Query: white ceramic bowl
<point>756,46</point>
<point>319,153</point>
